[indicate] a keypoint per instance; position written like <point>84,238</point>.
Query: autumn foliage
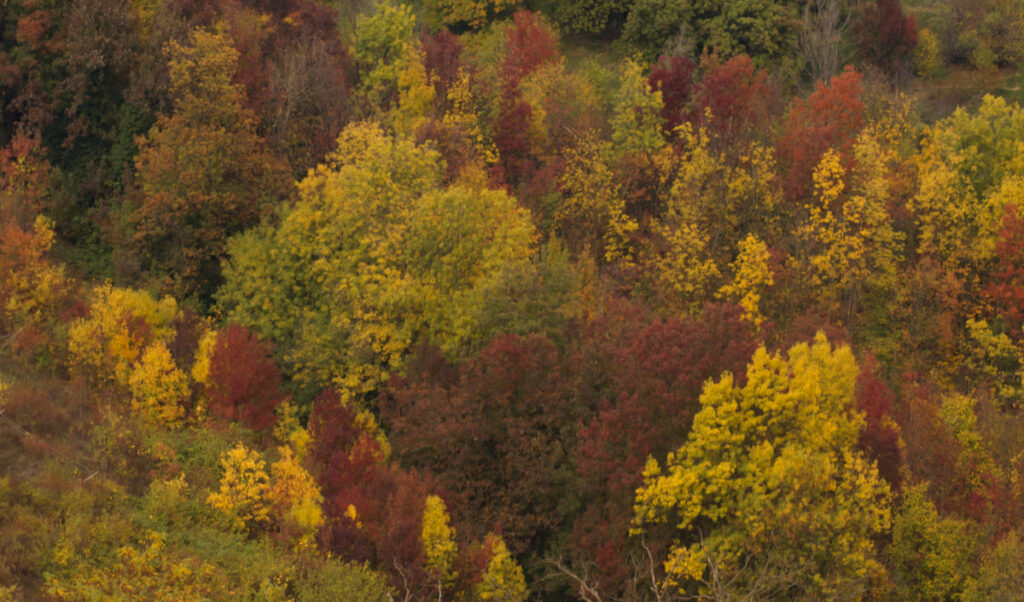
<point>503,300</point>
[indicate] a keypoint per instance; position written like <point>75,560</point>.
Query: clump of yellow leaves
<point>243,489</point>
<point>504,579</point>
<point>120,325</point>
<point>287,497</point>
<point>769,494</point>
<point>438,539</point>
<point>158,387</point>
<point>751,277</point>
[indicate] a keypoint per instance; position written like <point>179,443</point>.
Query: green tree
<point>929,554</point>
<point>764,29</point>
<point>769,496</point>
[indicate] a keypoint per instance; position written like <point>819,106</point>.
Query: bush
<point>928,61</point>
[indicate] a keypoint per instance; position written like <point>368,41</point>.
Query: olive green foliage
<point>764,29</point>
<point>589,16</point>
<point>929,553</point>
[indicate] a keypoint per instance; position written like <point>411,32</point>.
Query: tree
<point>822,36</point>
<point>370,261</point>
<point>438,540</point>
<point>887,35</point>
<point>203,172</point>
<point>496,436</point>
<point>503,581</point>
<point>734,101</point>
<point>929,552</point>
<point>241,380</point>
<point>849,247</point>
<point>764,29</point>
<point>673,76</point>
<point>243,489</point>
<point>380,51</point>
<point>590,16</point>
<point>968,176</point>
<point>463,13</point>
<point>768,496</point>
<point>159,389</point>
<point>121,324</point>
<point>831,117</point>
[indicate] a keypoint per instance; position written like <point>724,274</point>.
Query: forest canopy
<point>508,300</point>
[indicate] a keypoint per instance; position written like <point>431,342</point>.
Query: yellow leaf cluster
<point>751,277</point>
<point>504,579</point>
<point>438,539</point>
<point>158,387</point>
<point>120,325</point>
<point>244,488</point>
<point>770,474</point>
<point>970,167</point>
<point>372,255</point>
<point>728,197</point>
<point>637,122</point>
<point>295,497</point>
<point>847,237</point>
<point>593,212</point>
<point>141,574</point>
<point>34,289</point>
<point>685,265</point>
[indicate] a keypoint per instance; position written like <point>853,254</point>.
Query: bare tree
<point>820,41</point>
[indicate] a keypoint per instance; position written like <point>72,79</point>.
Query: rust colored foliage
<point>673,76</point>
<point>661,367</point>
<point>741,99</point>
<point>886,34</point>
<point>529,43</point>
<point>831,117</point>
<point>497,438</point>
<point>442,53</point>
<point>1005,291</point>
<point>244,381</point>
<point>879,439</point>
<point>373,509</point>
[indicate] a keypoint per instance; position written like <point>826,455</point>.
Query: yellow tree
<point>848,244</point>
<point>294,498</point>
<point>438,539</point>
<point>751,277</point>
<point>244,488</point>
<point>372,257</point>
<point>159,389</point>
<point>769,496</point>
<point>727,197</point>
<point>121,324</point>
<point>970,167</point>
<point>503,581</point>
<point>593,212</point>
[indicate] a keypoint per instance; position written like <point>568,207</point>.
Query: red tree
<point>1005,290</point>
<point>831,117</point>
<point>373,510</point>
<point>879,439</point>
<point>741,98</point>
<point>886,34</point>
<point>673,75</point>
<point>244,381</point>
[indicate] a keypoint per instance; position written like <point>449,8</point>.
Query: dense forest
<point>637,300</point>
